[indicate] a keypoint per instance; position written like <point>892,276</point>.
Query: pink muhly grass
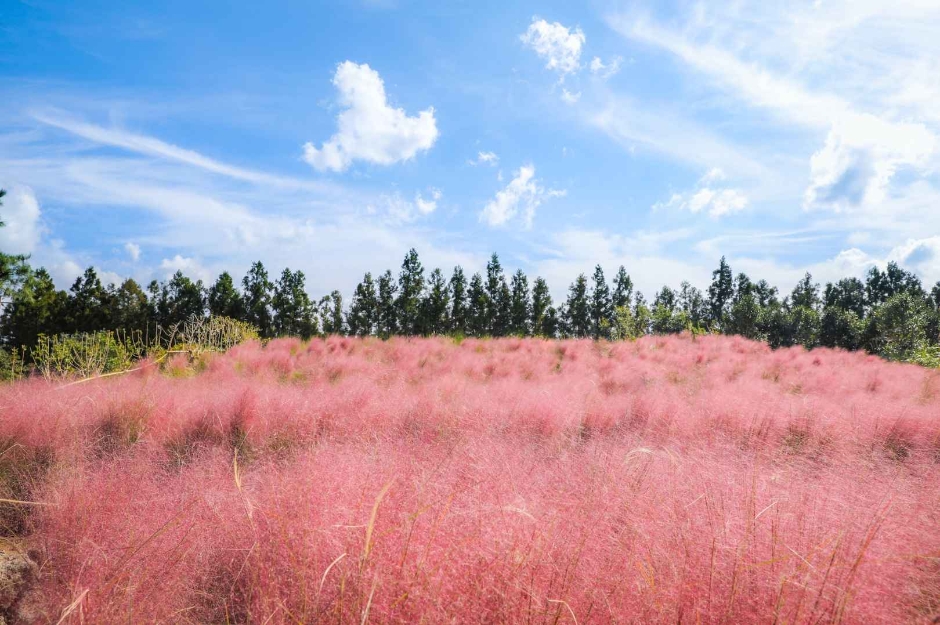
<point>669,479</point>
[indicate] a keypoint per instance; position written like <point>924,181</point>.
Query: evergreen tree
<point>601,306</point>
<point>224,298</point>
<point>291,307</point>
<point>541,303</point>
<point>257,288</point>
<point>410,288</point>
<point>331,313</point>
<point>847,294</point>
<point>577,309</point>
<point>363,311</point>
<point>642,317</point>
<point>692,304</point>
<point>458,298</point>
<point>478,305</point>
<point>35,308</point>
<point>519,305</point>
<point>130,310</point>
<point>387,313</point>
<point>550,323</point>
<point>623,289</point>
<point>88,304</point>
<point>434,306</point>
<point>185,299</point>
<point>805,293</point>
<point>503,310</point>
<point>765,294</point>
<point>494,282</point>
<point>719,295</point>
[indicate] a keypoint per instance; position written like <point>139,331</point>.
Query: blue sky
<point>333,136</point>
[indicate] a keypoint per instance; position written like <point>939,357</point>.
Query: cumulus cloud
<point>708,197</point>
<point>861,155</point>
<point>605,70</point>
<point>20,212</point>
<point>133,250</point>
<point>522,196</point>
<point>558,45</point>
<point>368,128</point>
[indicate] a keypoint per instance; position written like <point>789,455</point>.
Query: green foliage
<point>410,287</point>
<point>577,313</point>
<point>257,290</point>
<point>87,354</point>
<point>363,312</point>
<point>224,299</point>
<point>293,312</point>
<point>601,306</point>
<point>898,328</point>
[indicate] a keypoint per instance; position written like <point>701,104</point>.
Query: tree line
<point>889,313</point>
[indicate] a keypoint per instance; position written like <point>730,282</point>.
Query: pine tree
<point>805,294</point>
<point>601,306</point>
<point>434,306</point>
<point>87,308</point>
<point>331,313</point>
<point>387,313</point>
<point>410,289</point>
<point>692,303</point>
<point>224,298</point>
<point>257,289</point>
<point>577,309</point>
<point>363,311</point>
<point>519,305</point>
<point>623,289</point>
<point>494,282</point>
<point>35,308</point>
<point>477,307</point>
<point>458,298</point>
<point>541,303</point>
<point>291,306</point>
<point>719,295</point>
<point>503,310</point>
<point>130,310</point>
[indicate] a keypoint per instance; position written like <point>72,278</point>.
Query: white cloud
<point>861,155</point>
<point>20,212</point>
<point>868,55</point>
<point>151,146</point>
<point>486,158</point>
<point>133,250</point>
<point>398,210</point>
<point>427,207</point>
<point>557,44</point>
<point>189,266</point>
<point>605,70</point>
<point>706,197</point>
<point>570,98</point>
<point>368,129</point>
<point>521,197</point>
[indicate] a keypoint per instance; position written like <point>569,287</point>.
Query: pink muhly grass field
<point>344,480</point>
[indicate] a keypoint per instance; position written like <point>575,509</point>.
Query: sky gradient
<point>333,136</point>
